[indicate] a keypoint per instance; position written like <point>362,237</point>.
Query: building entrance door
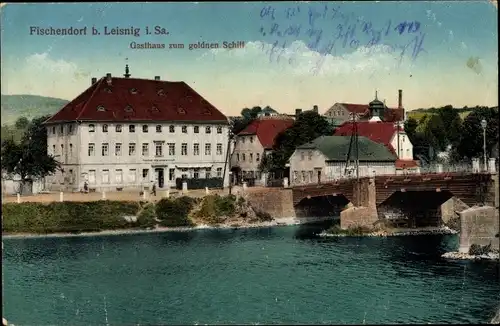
<point>159,177</point>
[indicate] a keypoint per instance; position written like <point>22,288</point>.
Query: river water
<point>284,275</point>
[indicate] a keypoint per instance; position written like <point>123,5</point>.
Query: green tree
<point>29,158</point>
<point>411,128</point>
<point>471,141</point>
<point>434,132</point>
<point>22,123</point>
<point>452,123</point>
<point>308,126</point>
<point>247,116</point>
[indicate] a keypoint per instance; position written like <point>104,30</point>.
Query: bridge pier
<point>363,211</point>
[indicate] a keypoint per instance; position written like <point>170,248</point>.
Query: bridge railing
<point>429,169</point>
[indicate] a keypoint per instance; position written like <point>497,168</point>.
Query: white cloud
<point>40,74</point>
<point>298,59</point>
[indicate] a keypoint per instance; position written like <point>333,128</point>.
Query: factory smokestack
<point>400,99</point>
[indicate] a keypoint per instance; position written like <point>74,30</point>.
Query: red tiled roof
<point>406,164</point>
<point>390,114</point>
<point>379,132</point>
<point>267,130</point>
<point>133,99</point>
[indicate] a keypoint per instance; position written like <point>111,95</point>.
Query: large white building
<point>124,133</point>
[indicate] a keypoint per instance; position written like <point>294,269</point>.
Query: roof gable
<point>379,132</point>
<point>336,148</point>
<point>133,99</point>
<point>267,130</point>
<point>363,110</point>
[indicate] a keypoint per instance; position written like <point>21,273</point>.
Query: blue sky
<point>434,51</point>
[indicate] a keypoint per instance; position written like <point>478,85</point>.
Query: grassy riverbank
<point>98,216</point>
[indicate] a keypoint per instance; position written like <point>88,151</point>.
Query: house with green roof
<point>325,159</point>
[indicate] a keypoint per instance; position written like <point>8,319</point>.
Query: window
<point>145,149</point>
<point>70,129</point>
<point>251,139</point>
<point>131,128</point>
<point>303,176</point>
<point>118,128</point>
<point>219,149</point>
<point>309,155</point>
<point>62,149</point>
<point>171,174</point>
<point>118,149</point>
<point>70,149</point>
<point>196,129</point>
<point>310,176</point>
<point>118,176</point>
<point>257,157</point>
<point>196,149</point>
<point>132,175</point>
<point>104,149</point>
<point>158,128</point>
<point>145,173</point>
<point>208,149</point>
<point>251,157</point>
<point>131,149</point>
<point>238,157</point>
<point>184,129</point>
<point>219,172</point>
<point>91,150</point>
<point>54,150</point>
<point>54,130</point>
<point>105,176</point>
<point>104,128</point>
<point>219,130</point>
<point>171,129</point>
<point>101,108</point>
<point>91,128</point>
<point>133,91</point>
<point>302,156</point>
<point>208,130</point>
<point>243,139</point>
<point>128,108</point>
<point>184,149</point>
<point>62,129</point>
<point>171,149</point>
<point>208,173</point>
<point>92,176</point>
<point>243,158</point>
<point>144,128</point>
<point>196,174</point>
<point>159,149</point>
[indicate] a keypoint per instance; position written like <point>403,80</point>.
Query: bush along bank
<point>96,216</point>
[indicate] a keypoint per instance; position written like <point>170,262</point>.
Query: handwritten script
<point>346,33</point>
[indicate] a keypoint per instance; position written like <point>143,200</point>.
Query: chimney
<point>108,78</point>
<point>94,80</point>
<point>157,77</point>
<point>298,111</point>
<point>400,99</point>
<point>315,108</point>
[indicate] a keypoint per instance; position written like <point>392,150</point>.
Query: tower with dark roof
<point>127,74</point>
<point>376,108</point>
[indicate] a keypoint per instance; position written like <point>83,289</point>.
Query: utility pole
<point>227,164</point>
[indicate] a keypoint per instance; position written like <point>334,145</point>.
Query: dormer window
<point>181,111</point>
<point>128,108</point>
<point>155,109</point>
<point>107,90</point>
<point>91,128</point>
<point>104,128</point>
<point>160,92</point>
<point>207,111</point>
<point>133,91</point>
